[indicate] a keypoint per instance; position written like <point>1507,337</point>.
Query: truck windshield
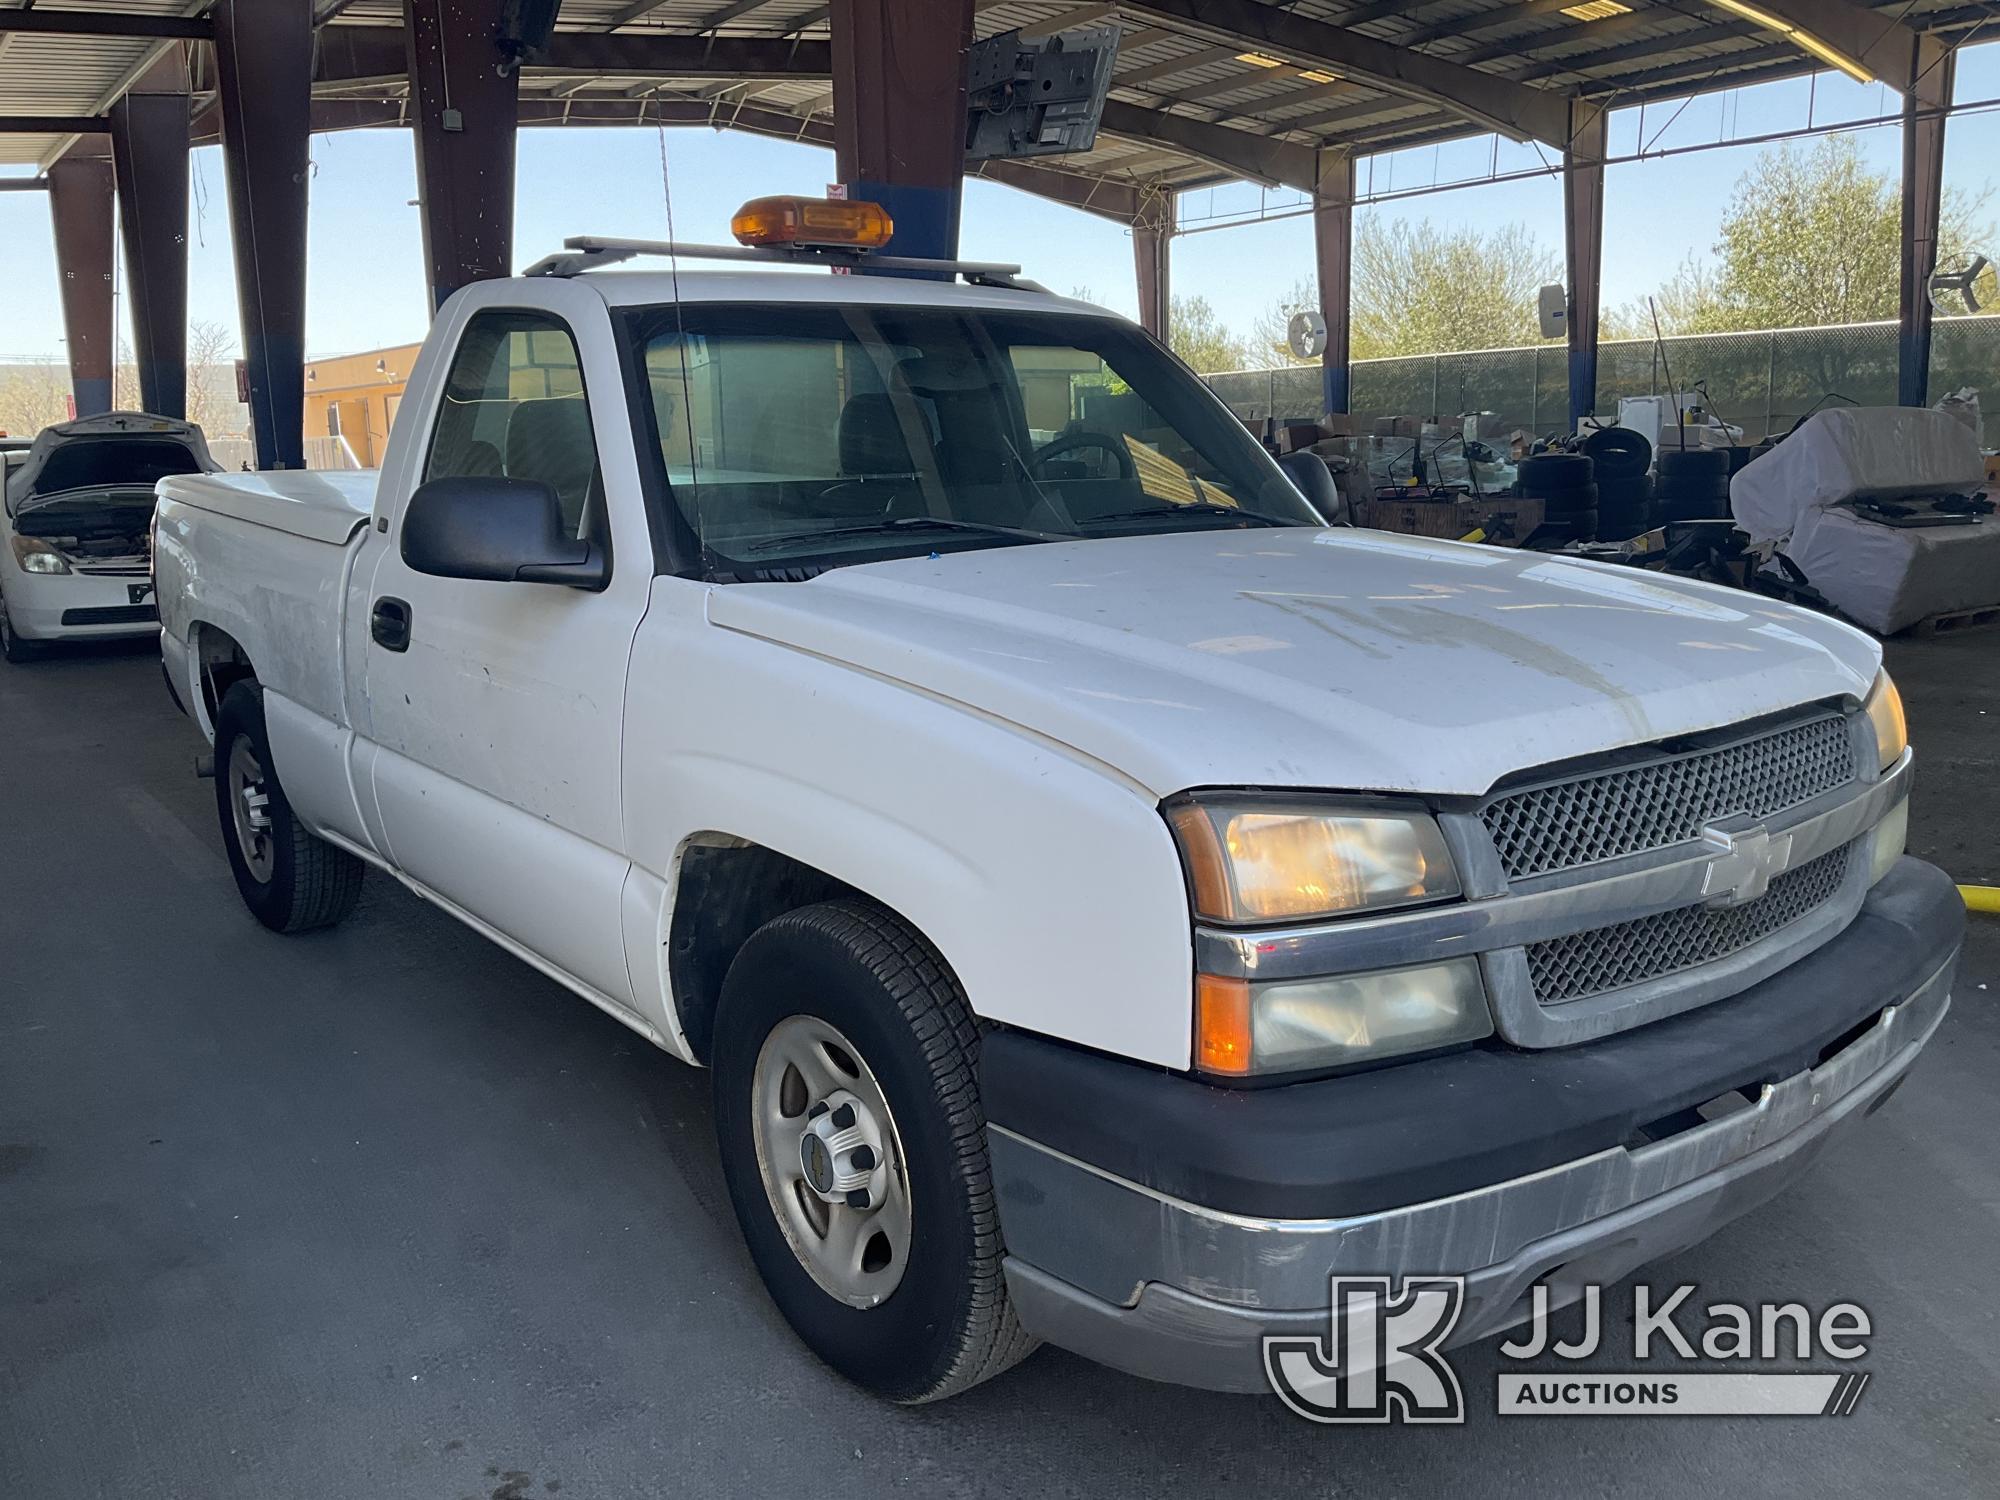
<point>803,436</point>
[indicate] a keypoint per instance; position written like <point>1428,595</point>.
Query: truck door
<point>489,714</point>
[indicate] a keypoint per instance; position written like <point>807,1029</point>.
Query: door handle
<point>389,624</point>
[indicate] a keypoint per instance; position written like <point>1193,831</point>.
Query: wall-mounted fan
<point>1969,289</point>
<point>1305,335</point>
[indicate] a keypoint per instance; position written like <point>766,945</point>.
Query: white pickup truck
<point>1109,899</point>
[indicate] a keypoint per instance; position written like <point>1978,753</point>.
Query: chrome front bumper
<point>1144,1282</point>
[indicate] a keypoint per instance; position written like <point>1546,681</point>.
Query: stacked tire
<point>1624,489</point>
<point>1566,484</point>
<point>1693,484</point>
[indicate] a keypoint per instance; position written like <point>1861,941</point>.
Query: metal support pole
<point>263,61</point>
<point>80,195</point>
<point>899,113</point>
<point>1926,99</point>
<point>1333,255</point>
<point>465,109</point>
<point>149,144</point>
<point>1152,260</point>
<point>1583,241</point>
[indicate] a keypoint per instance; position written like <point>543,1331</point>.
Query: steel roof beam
<point>1492,102</point>
<point>1883,47</point>
<point>106,23</point>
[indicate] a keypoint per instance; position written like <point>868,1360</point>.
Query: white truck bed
<point>319,505</point>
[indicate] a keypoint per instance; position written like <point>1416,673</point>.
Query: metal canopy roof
<point>1205,90</point>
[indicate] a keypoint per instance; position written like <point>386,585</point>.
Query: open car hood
<point>1297,657</point>
<point>24,477</point>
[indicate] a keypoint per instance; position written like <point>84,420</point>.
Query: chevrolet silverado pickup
<point>1109,900</point>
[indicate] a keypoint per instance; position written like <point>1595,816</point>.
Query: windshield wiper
<point>1197,508</point>
<point>907,523</point>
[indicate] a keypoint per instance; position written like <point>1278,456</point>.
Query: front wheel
<point>291,879</point>
<point>12,646</point>
<point>847,1111</point>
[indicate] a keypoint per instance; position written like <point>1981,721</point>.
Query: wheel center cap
<point>816,1162</point>
<point>840,1152</point>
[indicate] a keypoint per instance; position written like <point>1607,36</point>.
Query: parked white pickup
<point>927,707</point>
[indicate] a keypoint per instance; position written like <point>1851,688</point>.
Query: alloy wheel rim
<point>831,1161</point>
<point>250,810</point>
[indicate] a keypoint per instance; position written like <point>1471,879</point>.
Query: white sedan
<point>75,559</point>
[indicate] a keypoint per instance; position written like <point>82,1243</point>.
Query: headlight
<point>1885,713</point>
<point>1289,1026</point>
<point>1886,841</point>
<point>38,557</point>
<point>1251,859</point>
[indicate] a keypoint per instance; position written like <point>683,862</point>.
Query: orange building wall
<point>354,396</point>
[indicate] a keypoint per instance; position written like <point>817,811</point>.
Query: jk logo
<point>1380,1360</point>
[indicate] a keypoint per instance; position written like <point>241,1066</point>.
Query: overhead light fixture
<point>1259,60</point>
<point>1799,36</point>
<point>1596,10</point>
<point>1317,75</point>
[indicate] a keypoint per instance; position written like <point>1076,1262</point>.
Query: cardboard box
<point>1506,519</point>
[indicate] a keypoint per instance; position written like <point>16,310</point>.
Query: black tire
<point>1688,463</point>
<point>1546,473</point>
<point>309,882</point>
<point>947,1324</point>
<point>1619,453</point>
<point>1582,523</point>
<point>1693,508</point>
<point>12,646</point>
<point>1560,503</point>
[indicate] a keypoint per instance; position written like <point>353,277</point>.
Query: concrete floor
<point>382,1212</point>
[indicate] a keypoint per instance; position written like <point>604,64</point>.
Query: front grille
<point>112,614</point>
<point>1662,802</point>
<point>125,570</point>
<point>1611,958</point>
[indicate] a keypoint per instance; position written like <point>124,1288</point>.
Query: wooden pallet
<point>1955,619</point>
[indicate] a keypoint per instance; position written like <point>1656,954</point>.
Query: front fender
<point>1048,882</point>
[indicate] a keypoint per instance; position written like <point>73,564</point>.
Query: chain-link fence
<point>1762,382</point>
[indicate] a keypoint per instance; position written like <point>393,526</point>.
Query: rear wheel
<point>291,880</point>
<point>847,1113</point>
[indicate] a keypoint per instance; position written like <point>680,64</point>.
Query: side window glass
<point>513,405</point>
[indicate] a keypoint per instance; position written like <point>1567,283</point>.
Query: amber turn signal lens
<point>852,225</point>
<point>1222,1025</point>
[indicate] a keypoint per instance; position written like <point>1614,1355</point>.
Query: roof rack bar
<point>589,252</point>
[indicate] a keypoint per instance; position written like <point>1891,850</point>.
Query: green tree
<point>1812,236</point>
<point>1198,335</point>
<point>1422,289</point>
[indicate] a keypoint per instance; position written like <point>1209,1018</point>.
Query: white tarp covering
<point>1884,577</point>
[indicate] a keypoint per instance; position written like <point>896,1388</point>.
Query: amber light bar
<point>852,224</point>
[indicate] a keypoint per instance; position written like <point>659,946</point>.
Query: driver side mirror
<point>1311,477</point>
<point>499,530</point>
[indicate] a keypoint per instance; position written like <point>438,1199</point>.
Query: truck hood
<point>1341,659</point>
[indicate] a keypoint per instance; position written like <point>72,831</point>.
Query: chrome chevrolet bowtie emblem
<point>1744,864</point>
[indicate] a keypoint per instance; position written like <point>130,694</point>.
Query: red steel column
<point>465,111</point>
<point>899,113</point>
<point>1152,257</point>
<point>80,196</point>
<point>149,144</point>
<point>1926,98</point>
<point>263,60</point>
<point>1333,255</point>
<point>1583,233</point>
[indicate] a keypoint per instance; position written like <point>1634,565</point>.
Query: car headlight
<point>1885,715</point>
<point>38,557</point>
<point>1257,859</point>
<point>1243,1027</point>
